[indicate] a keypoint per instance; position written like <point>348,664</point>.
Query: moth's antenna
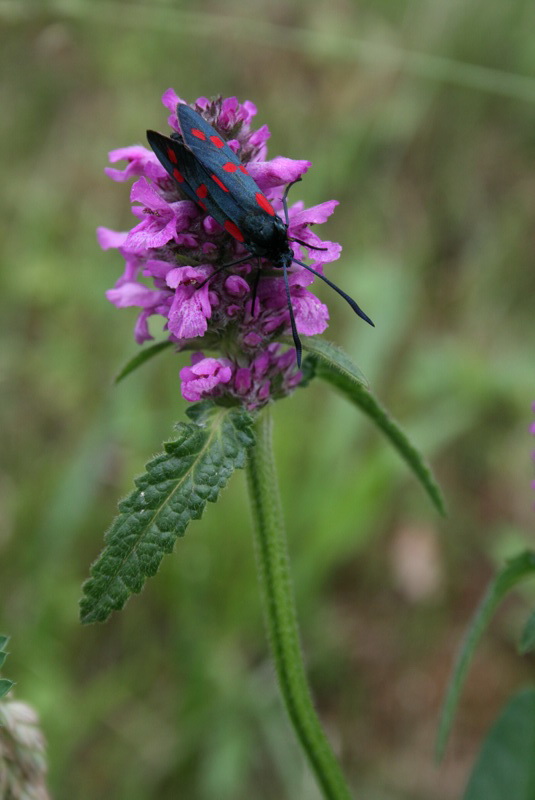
<point>297,341</point>
<point>221,268</point>
<point>306,244</point>
<point>284,199</point>
<point>356,308</point>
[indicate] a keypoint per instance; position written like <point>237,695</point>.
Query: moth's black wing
<point>192,176</point>
<point>229,184</point>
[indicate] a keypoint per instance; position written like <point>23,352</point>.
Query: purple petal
<point>131,270</point>
<point>202,103</point>
<point>252,339</point>
<point>243,380</point>
<point>179,276</point>
<point>145,193</point>
<point>108,239</point>
<point>170,99</point>
<point>228,115</point>
<point>264,391</point>
<point>247,111</point>
<point>141,161</point>
<point>134,152</point>
<point>315,214</point>
<point>330,253</point>
<point>211,226</point>
<point>134,294</point>
<point>277,172</point>
<point>237,286</point>
<point>260,137</point>
<point>287,359</point>
<point>189,312</point>
<point>148,234</point>
<point>141,329</point>
<point>201,378</point>
<point>311,315</point>
<point>156,268</point>
<point>260,364</point>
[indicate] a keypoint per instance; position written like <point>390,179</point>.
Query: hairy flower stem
<point>279,608</point>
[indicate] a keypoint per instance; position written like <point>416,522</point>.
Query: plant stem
<point>279,608</point>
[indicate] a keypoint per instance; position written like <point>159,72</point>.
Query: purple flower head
<point>173,252</point>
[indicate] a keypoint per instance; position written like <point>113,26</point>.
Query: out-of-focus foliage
<point>505,764</point>
<point>514,572</point>
<point>419,117</point>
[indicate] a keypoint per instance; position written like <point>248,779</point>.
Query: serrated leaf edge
<point>215,431</point>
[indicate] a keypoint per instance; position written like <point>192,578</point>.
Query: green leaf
<point>515,570</point>
<point>3,657</point>
<point>140,358</point>
<point>527,641</point>
<point>506,764</point>
<point>174,490</point>
<point>328,355</point>
<point>3,641</point>
<point>335,367</point>
<point>5,686</point>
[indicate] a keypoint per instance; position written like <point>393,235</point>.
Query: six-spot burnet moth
<point>211,174</point>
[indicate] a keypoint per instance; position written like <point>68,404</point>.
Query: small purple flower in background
<point>176,246</point>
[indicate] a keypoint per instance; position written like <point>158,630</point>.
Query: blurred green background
<point>419,116</point>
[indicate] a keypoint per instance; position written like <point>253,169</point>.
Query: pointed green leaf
<point>328,355</point>
<point>174,490</point>
<point>527,641</point>
<point>3,657</point>
<point>515,570</point>
<point>506,764</point>
<point>3,641</point>
<point>5,686</point>
<point>335,367</point>
<point>140,358</point>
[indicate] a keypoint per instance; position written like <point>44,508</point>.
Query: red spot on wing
<point>199,134</point>
<point>233,229</point>
<point>217,141</point>
<point>264,203</point>
<point>230,166</point>
<point>202,190</point>
<point>177,175</point>
<point>202,205</point>
<point>171,155</point>
<point>219,183</point>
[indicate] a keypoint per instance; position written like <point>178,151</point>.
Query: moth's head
<point>266,236</point>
